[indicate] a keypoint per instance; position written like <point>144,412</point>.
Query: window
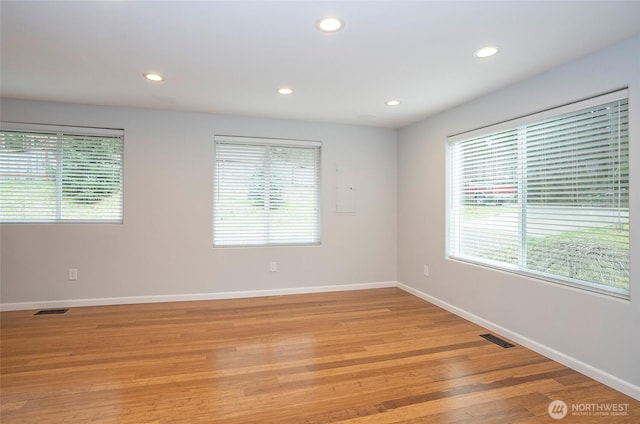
<point>266,192</point>
<point>60,174</point>
<point>546,195</point>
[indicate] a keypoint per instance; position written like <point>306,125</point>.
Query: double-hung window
<point>266,192</point>
<point>546,195</point>
<point>60,174</point>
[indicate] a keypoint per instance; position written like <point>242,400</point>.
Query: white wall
<point>164,247</point>
<point>597,334</point>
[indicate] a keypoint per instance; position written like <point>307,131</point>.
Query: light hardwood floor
<point>371,356</point>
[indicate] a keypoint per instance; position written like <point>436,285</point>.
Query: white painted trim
<point>69,303</point>
<point>597,374</point>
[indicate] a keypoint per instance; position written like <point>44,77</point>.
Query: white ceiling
<point>230,57</point>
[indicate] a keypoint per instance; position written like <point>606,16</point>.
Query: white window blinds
<point>547,195</point>
<point>266,192</point>
<point>60,174</point>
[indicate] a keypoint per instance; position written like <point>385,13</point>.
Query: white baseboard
<point>566,360</point>
<point>70,303</point>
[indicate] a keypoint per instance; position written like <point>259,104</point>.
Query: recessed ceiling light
<point>330,24</point>
<point>151,76</point>
<point>486,51</point>
<point>285,91</point>
<point>392,102</point>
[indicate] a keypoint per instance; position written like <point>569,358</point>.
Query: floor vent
<point>497,340</point>
<point>51,311</point>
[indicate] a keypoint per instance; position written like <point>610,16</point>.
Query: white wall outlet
<point>425,270</point>
<point>73,274</point>
<point>273,266</point>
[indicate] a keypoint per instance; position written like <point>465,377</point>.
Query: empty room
<point>319,212</point>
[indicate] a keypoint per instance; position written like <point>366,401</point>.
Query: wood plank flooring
<point>371,356</point>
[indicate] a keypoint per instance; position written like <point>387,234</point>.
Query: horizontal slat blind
<point>266,193</point>
<point>485,177</point>
<point>547,198</point>
<point>577,216</point>
<point>58,176</point>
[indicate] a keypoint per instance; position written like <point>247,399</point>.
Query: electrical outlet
<point>73,274</point>
<point>273,266</point>
<point>425,270</point>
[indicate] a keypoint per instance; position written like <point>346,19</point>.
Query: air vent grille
<point>51,311</point>
<point>497,340</point>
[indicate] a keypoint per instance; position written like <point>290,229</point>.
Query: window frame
<point>61,131</point>
<point>516,124</point>
<point>269,143</point>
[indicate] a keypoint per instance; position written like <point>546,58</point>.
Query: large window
<point>266,192</point>
<point>546,195</point>
<point>60,174</point>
